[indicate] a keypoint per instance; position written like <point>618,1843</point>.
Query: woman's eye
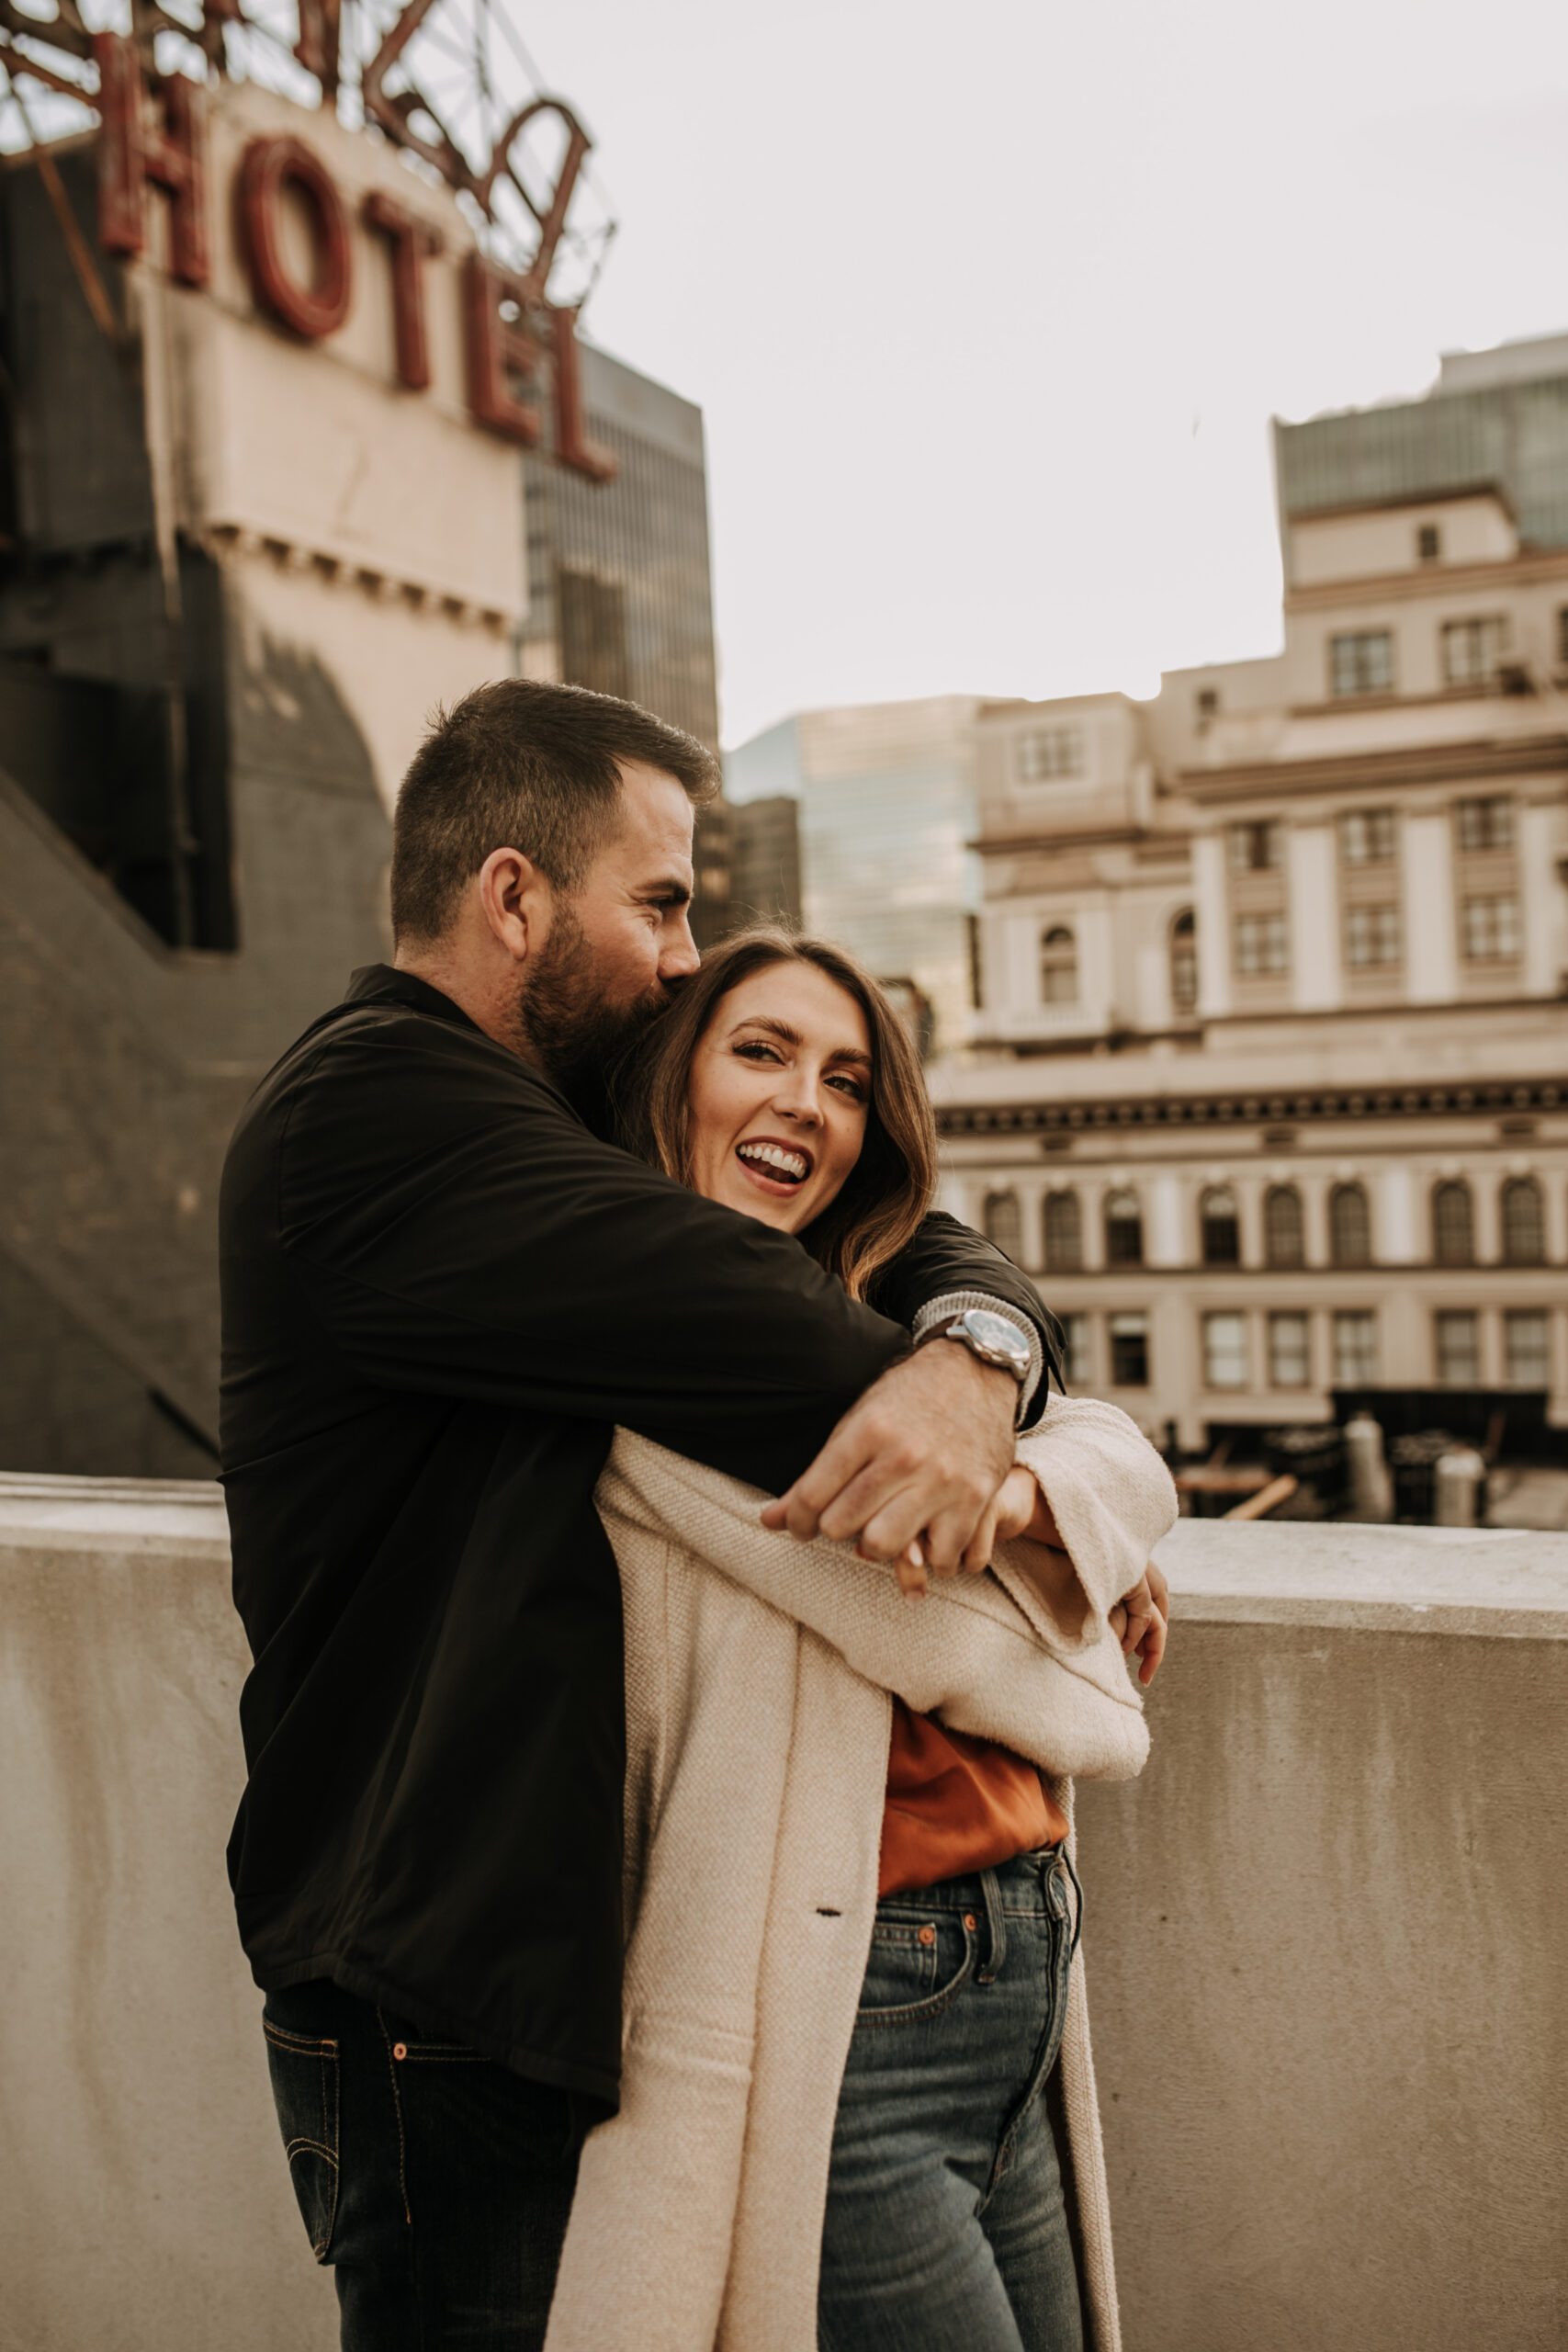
<point>850,1086</point>
<point>755,1050</point>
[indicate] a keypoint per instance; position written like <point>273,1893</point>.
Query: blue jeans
<point>437,2184</point>
<point>946,2229</point>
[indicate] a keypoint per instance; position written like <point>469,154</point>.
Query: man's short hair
<point>522,764</point>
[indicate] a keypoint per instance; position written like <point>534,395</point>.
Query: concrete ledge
<point>1503,1584</point>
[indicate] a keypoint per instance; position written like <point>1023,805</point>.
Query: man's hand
<point>1141,1620</point>
<point>915,1470</point>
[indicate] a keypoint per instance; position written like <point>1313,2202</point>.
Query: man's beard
<point>576,1037</point>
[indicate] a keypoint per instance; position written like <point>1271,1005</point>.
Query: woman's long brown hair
<point>888,1190</point>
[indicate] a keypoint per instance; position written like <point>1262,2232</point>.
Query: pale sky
<point>988,308</point>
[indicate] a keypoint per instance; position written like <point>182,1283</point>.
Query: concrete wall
<point>1323,1948</point>
<point>146,2205</point>
<point>1324,1937</point>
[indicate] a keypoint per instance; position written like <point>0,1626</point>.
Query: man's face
<point>615,951</point>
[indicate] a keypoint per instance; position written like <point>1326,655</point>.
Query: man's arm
<point>458,1231</point>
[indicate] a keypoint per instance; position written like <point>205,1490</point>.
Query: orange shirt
<point>957,1804</point>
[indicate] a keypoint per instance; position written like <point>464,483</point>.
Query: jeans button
<point>970,1921</point>
<point>927,1935</point>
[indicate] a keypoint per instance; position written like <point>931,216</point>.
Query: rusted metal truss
<point>450,81</point>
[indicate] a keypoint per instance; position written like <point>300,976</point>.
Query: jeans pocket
<point>914,1968</point>
<point>305,2091</point>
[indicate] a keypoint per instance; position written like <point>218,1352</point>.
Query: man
<point>441,1291</point>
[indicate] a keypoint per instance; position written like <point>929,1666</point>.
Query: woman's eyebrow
<point>788,1036</point>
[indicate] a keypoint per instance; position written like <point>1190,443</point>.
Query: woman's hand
<point>1141,1620</point>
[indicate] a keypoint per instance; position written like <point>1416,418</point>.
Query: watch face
<point>998,1337</point>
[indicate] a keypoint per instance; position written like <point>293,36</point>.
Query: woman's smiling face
<point>779,1095</point>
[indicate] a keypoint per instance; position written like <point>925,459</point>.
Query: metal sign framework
<point>449,81</point>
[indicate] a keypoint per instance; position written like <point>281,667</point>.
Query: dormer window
<point>1473,649</point>
<point>1360,662</point>
<point>1428,543</point>
<point>1208,704</point>
<point>1048,753</point>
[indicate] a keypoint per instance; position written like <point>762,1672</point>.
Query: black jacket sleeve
<point>457,1230</point>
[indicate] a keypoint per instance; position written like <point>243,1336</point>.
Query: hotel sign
<point>519,348</point>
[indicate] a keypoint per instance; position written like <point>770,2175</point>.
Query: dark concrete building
<point>620,589</point>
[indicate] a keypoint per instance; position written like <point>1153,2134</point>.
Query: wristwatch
<point>991,1338</point>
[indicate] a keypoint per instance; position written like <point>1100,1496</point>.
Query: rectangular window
<point>1361,662</point>
<point>1457,1348</point>
<point>1048,753</point>
<point>1225,1352</point>
<point>1080,1361</point>
<point>1489,930</point>
<point>1527,1357</point>
<point>1473,648</point>
<point>1486,824</point>
<point>1371,936</point>
<point>1208,704</point>
<point>1366,836</point>
<point>1260,945</point>
<point>1354,1348</point>
<point>1428,542</point>
<point>1562,637</point>
<point>1255,848</point>
<point>1129,1351</point>
<point>1290,1356</point>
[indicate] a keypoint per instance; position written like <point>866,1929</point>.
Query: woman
<point>838,1901</point>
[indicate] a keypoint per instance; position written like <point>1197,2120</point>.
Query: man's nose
<point>680,958</point>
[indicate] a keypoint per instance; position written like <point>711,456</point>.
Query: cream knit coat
<point>758,1671</point>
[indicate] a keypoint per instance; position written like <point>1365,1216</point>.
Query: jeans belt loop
<point>996,1928</point>
<point>1078,1903</point>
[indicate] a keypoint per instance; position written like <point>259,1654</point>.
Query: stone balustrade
<point>1324,1935</point>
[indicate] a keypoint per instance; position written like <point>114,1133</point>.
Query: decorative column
<point>1164,1240</point>
<point>1214,925</point>
<point>1543,904</point>
<point>1430,969</point>
<point>1393,1231</point>
<point>1313,885</point>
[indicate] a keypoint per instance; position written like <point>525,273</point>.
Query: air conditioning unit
<point>1513,677</point>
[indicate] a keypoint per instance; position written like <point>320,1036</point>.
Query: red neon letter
<point>313,311</point>
<point>573,447</point>
<point>132,152</point>
<point>411,241</point>
<point>497,352</point>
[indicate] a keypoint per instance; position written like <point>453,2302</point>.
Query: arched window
<point>1220,1227</point>
<point>1524,1227</point>
<point>1004,1223</point>
<point>1283,1226</point>
<point>1453,1227</point>
<point>1058,967</point>
<point>1124,1229</point>
<point>1349,1226</point>
<point>1064,1233</point>
<point>1184,961</point>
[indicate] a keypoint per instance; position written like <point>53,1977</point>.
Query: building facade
<point>1270,1076</point>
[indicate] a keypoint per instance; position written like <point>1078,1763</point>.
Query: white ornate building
<point>1270,1081</point>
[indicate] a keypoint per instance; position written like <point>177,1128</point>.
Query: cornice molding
<point>1417,763</point>
<point>1221,1108</point>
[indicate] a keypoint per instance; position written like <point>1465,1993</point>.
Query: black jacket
<point>440,1294</point>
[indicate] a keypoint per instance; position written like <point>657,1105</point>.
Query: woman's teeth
<point>777,1161</point>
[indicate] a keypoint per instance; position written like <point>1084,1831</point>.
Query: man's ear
<point>516,900</point>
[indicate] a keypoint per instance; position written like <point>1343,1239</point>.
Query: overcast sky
<point>988,307</point>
